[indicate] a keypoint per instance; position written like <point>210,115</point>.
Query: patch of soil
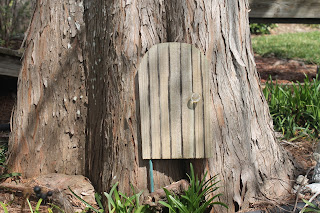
<point>302,152</point>
<point>284,71</point>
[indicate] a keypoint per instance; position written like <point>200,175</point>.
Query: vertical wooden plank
<point>197,88</point>
<point>163,54</point>
<point>170,128</point>
<point>187,113</point>
<point>154,103</point>
<point>206,97</point>
<point>175,100</point>
<point>144,107</point>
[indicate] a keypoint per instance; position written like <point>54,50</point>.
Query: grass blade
<point>83,201</point>
<point>4,207</point>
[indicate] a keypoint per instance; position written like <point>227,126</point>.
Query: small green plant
<point>261,28</point>
<point>37,206</point>
<point>50,210</point>
<point>194,198</point>
<point>295,109</point>
<point>14,174</point>
<point>117,202</point>
<point>120,203</point>
<point>4,207</point>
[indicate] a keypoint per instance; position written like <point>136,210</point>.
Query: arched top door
<point>175,102</point>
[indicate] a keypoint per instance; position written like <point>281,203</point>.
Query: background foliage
<point>14,19</point>
<point>259,29</point>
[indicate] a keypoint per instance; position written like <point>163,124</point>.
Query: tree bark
<point>49,120</point>
<point>247,157</point>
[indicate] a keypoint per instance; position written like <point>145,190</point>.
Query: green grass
<point>304,46</point>
<point>295,110</point>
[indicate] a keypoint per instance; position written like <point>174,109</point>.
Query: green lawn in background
<point>304,46</point>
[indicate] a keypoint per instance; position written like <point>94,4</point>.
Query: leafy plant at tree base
<point>194,199</point>
<point>118,202</point>
<point>295,109</point>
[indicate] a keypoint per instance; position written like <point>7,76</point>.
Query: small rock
<point>279,62</point>
<point>296,63</point>
<point>278,135</point>
<point>302,180</point>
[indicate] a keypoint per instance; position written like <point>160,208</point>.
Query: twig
<point>299,189</point>
<point>289,143</point>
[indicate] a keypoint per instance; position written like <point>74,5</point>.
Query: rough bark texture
<point>49,119</point>
<point>247,157</point>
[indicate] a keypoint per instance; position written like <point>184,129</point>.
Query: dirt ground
<point>285,71</point>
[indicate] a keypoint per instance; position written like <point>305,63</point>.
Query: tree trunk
<point>50,117</point>
<point>247,157</point>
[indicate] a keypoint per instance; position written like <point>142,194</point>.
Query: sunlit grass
<point>295,109</point>
<point>304,46</point>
